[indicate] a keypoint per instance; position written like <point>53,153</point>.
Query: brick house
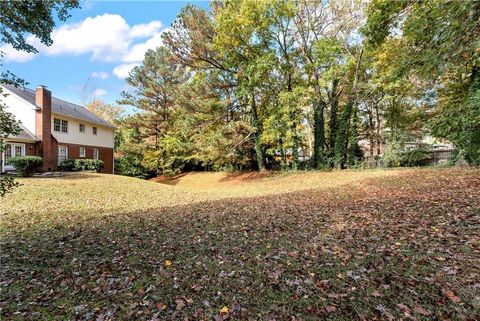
<point>55,130</point>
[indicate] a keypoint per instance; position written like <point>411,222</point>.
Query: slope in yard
<point>370,245</point>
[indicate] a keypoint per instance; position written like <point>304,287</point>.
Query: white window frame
<point>94,130</point>
<point>82,152</point>
<point>96,153</point>
<point>13,153</point>
<point>64,122</point>
<point>80,128</point>
<point>58,153</point>
<point>59,125</point>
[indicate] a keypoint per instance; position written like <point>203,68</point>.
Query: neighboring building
<point>55,130</point>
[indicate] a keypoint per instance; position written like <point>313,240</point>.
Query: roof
<point>60,106</point>
<point>24,134</point>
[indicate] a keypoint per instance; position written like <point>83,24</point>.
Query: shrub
<point>414,157</point>
<point>131,165</point>
<point>392,157</point>
<point>67,165</point>
<point>88,165</point>
<point>26,165</point>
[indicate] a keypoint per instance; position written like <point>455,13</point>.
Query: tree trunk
<point>333,126</point>
<point>257,135</point>
<point>295,140</point>
<point>319,134</point>
<point>341,139</point>
<point>377,114</point>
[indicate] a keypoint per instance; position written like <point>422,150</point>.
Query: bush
<point>26,165</point>
<point>131,165</point>
<point>416,157</point>
<point>88,165</point>
<point>392,157</point>
<point>67,165</point>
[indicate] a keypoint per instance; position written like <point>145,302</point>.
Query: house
<point>55,129</point>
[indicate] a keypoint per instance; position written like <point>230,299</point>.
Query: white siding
<point>23,111</point>
<point>104,137</point>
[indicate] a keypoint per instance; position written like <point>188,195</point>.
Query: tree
<point>8,127</point>
<point>109,112</point>
<point>35,18</point>
<point>440,45</point>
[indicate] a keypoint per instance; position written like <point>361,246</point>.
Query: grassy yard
<point>351,245</point>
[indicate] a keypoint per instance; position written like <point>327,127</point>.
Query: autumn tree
<point>440,45</point>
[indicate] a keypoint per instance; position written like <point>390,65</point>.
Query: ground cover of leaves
<point>352,245</point>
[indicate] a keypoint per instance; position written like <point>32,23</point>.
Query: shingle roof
<point>60,106</point>
<point>25,134</point>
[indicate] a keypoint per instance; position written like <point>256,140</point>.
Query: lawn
<point>351,245</point>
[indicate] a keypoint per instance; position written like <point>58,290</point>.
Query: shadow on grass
<point>340,254</point>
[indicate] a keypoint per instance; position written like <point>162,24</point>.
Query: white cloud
<point>137,52</point>
<point>145,29</point>
<point>10,54</point>
<point>106,37</point>
<point>123,70</point>
<point>100,75</point>
<point>99,92</point>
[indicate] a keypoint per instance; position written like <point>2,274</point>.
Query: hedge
<point>26,165</point>
<point>81,165</point>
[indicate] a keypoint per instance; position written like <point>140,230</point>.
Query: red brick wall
<point>43,123</point>
<point>31,149</point>
<point>105,154</point>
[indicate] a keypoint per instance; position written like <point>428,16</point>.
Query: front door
<point>12,150</point>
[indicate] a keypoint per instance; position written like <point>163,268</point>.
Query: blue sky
<point>94,49</point>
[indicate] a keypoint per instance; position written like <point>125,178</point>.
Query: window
<point>60,125</point>
<point>56,125</point>
<point>62,153</point>
<point>94,130</point>
<point>95,153</point>
<point>82,152</point>
<point>64,126</point>
<point>13,150</point>
<point>81,128</point>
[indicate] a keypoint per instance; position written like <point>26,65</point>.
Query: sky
<point>93,51</point>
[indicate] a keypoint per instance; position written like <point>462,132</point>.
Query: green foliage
<point>396,156</point>
<point>81,164</point>
<point>131,165</point>
<point>26,165</point>
<point>250,81</point>
<point>88,165</point>
<point>67,165</point>
<point>415,157</point>
<point>458,117</point>
<point>438,45</point>
<point>7,183</point>
<point>392,156</point>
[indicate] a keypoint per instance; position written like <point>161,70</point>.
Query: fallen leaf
<point>180,304</point>
<point>168,262</point>
<point>377,294</point>
<point>330,308</point>
<point>224,310</point>
<point>421,311</point>
<point>449,294</point>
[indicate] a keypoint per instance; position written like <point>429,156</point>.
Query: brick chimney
<point>43,127</point>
